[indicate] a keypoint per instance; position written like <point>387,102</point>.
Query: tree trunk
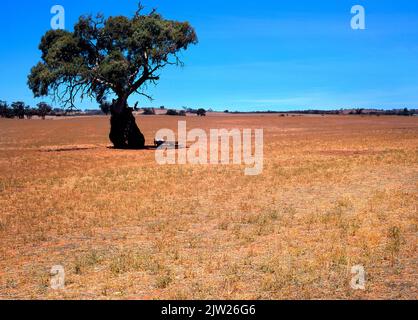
<point>124,132</point>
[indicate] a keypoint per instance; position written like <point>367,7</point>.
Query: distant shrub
<point>201,112</point>
<point>172,112</point>
<point>19,109</point>
<point>57,112</point>
<point>105,107</point>
<point>191,110</point>
<point>43,109</point>
<point>406,112</point>
<point>93,112</point>
<point>149,111</point>
<point>5,111</point>
<point>30,112</point>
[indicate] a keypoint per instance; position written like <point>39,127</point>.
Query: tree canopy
<point>108,56</point>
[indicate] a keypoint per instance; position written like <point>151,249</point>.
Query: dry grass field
<point>336,192</point>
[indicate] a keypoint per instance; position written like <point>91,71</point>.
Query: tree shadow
<point>145,148</point>
<point>67,148</point>
<point>149,147</point>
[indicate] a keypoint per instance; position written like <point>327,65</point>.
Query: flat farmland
<point>336,191</point>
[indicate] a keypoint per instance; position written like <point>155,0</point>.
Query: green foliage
<point>19,109</point>
<point>149,111</point>
<point>43,109</point>
<point>5,111</point>
<point>108,56</point>
<point>29,112</point>
<point>172,112</point>
<point>105,107</point>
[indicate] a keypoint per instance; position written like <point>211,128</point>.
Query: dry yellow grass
<point>335,192</point>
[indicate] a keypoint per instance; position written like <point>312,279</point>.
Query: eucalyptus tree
<point>114,57</point>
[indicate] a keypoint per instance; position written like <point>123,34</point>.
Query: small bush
<point>105,107</point>
<point>149,111</point>
<point>172,112</point>
<point>43,109</point>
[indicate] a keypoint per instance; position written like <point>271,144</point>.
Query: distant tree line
<point>174,112</point>
<point>20,110</point>
<point>362,111</point>
<point>355,111</point>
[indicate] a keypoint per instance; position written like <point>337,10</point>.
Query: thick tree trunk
<point>124,132</point>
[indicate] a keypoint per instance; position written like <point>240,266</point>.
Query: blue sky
<point>252,55</point>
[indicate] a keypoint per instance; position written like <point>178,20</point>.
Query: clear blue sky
<point>252,55</point>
